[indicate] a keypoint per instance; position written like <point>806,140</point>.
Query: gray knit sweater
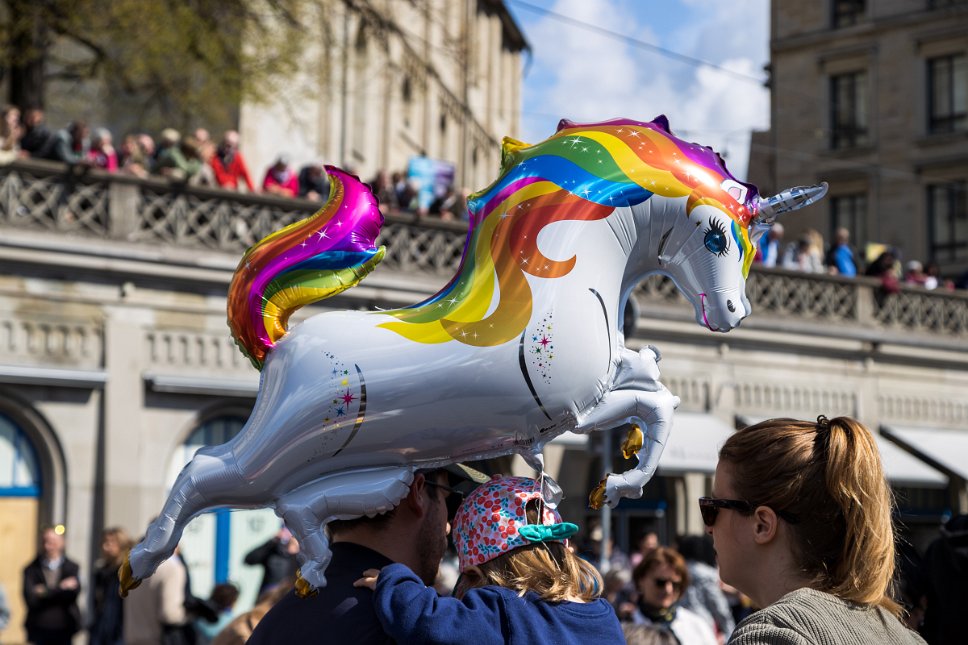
<point>810,617</point>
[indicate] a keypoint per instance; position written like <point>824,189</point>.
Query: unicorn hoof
<point>126,577</point>
<point>303,588</point>
<point>627,485</point>
<point>596,498</point>
<point>633,441</point>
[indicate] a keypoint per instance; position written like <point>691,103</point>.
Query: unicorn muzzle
<point>723,311</point>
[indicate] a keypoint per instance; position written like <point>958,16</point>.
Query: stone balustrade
<point>84,203</point>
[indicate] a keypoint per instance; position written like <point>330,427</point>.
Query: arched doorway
<point>214,544</point>
<point>21,487</point>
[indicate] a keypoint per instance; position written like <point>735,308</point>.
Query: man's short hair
<point>459,476</point>
<point>377,522</point>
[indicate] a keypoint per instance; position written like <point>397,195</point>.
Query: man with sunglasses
<point>414,533</point>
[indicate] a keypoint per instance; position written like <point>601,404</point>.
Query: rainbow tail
<point>305,262</point>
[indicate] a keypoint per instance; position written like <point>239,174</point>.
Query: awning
<point>900,467</point>
<point>694,444</point>
<point>211,386</point>
<point>55,377</point>
<point>904,469</point>
<point>945,450</point>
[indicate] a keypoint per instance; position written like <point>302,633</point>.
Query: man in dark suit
<point>51,586</point>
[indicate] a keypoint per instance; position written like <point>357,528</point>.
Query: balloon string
<point>541,489</point>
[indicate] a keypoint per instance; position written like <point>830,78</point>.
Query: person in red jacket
<point>229,165</point>
<point>281,179</point>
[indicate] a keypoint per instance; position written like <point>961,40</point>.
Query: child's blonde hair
<point>549,569</point>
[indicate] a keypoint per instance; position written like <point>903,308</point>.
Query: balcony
<point>87,219</point>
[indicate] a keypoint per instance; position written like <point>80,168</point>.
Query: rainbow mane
<point>582,172</point>
<point>307,261</point>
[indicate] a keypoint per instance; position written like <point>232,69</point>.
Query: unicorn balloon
<point>523,344</point>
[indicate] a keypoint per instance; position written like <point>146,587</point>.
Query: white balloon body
<point>348,410</point>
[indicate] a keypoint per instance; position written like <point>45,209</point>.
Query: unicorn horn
<point>791,199</point>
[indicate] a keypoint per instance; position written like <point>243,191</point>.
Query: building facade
<point>872,97</point>
<point>378,83</point>
<point>383,81</point>
<point>117,364</point>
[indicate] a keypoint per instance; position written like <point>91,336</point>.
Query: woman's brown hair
<point>663,555</point>
<point>124,543</point>
<point>549,569</point>
<point>827,476</point>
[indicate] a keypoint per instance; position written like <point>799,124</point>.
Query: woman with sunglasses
<point>801,521</point>
<point>660,579</point>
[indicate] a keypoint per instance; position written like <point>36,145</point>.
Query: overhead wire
<point>637,42</point>
<point>670,54</point>
<point>698,62</point>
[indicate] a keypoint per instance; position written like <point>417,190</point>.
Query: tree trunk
<point>27,53</point>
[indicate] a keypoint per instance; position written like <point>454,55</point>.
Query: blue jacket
<point>412,613</point>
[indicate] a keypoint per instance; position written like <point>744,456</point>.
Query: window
<point>847,12</point>
<point>948,94</point>
<point>850,212</point>
<point>19,473</point>
<point>848,110</point>
<point>948,221</point>
<point>406,90</point>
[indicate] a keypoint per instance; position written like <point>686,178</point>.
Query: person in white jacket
<point>660,579</point>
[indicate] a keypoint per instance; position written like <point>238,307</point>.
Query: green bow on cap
<point>548,532</point>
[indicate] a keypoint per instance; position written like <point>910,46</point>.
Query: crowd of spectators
<point>660,593</point>
<point>199,160</point>
<point>809,255</point>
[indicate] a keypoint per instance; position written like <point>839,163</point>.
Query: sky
<point>577,73</point>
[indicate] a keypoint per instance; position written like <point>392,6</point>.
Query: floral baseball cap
<point>492,520</point>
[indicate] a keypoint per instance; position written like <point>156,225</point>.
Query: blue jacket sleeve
<point>411,612</point>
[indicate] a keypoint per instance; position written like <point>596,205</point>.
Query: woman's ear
<point>764,525</point>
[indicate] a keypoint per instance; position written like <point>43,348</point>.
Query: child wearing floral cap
<point>519,581</point>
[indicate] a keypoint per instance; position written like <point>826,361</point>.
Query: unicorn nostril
<point>730,306</point>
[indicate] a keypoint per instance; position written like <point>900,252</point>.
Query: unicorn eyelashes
<point>715,239</point>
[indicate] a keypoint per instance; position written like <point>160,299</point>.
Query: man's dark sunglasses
<point>709,509</point>
<point>454,497</point>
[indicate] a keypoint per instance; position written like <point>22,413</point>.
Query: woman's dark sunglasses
<point>709,509</point>
<point>662,582</point>
<point>454,497</point>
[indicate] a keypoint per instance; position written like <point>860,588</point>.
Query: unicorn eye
<point>716,240</point>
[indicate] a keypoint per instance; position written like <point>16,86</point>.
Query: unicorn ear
<point>663,122</point>
<point>564,124</point>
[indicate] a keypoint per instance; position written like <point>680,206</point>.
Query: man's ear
<point>765,524</point>
<point>416,500</point>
